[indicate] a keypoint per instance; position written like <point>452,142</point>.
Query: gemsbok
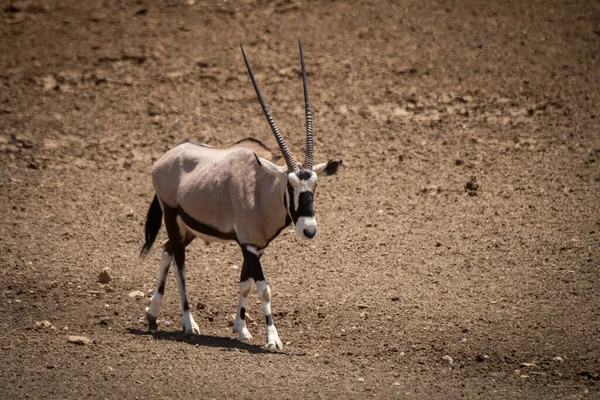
<point>244,193</point>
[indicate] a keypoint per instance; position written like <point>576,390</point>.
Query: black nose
<point>310,233</point>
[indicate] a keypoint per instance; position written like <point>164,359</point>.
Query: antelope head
<point>301,179</point>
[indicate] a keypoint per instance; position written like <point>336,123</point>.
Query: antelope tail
<point>153,223</point>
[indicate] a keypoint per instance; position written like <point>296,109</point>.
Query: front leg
<point>239,325</point>
<point>253,270</point>
<point>264,293</point>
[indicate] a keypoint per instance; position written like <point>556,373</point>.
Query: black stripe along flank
<point>203,228</point>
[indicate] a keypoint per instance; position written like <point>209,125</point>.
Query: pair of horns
<point>308,157</point>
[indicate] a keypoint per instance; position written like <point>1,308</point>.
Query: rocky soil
<point>459,246</point>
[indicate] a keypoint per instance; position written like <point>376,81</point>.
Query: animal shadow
<point>224,343</point>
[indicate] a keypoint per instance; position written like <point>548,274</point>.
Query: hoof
<point>244,335</point>
<point>193,329</point>
<point>152,326</point>
<point>274,345</point>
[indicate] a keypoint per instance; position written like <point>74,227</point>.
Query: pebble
<point>49,83</point>
<point>79,340</point>
<point>105,276</point>
<point>448,359</point>
<point>45,324</point>
<point>471,187</point>
<point>138,294</point>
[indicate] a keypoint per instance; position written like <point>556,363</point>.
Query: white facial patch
<point>306,226</point>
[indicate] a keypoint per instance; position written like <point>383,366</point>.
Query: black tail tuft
<point>153,222</point>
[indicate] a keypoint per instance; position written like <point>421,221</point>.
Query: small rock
<point>49,82</point>
<point>448,359</point>
<point>558,358</point>
<point>481,357</point>
<point>45,324</point>
<point>200,306</point>
<point>526,364</point>
<point>231,320</point>
<point>82,340</point>
<point>471,187</point>
<point>138,294</point>
<point>364,315</point>
<point>105,276</point>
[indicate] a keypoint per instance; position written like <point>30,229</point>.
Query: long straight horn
<point>284,149</point>
<point>308,158</point>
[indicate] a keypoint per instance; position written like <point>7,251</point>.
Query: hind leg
<point>189,325</point>
<point>153,309</point>
<point>179,238</point>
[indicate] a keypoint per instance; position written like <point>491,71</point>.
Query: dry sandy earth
<point>416,97</point>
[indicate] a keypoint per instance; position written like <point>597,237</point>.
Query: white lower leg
<point>264,293</point>
<point>239,325</point>
<point>189,325</point>
<point>153,309</point>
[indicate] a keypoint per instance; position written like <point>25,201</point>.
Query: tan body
<point>226,189</point>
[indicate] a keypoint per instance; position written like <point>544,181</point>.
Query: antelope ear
<point>329,168</point>
<point>271,168</point>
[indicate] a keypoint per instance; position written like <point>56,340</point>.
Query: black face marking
<point>203,228</point>
<point>269,319</point>
<point>304,175</point>
<point>292,206</point>
<point>305,205</point>
<point>242,313</point>
<point>251,267</point>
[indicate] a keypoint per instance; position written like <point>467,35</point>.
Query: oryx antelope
<point>244,193</point>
